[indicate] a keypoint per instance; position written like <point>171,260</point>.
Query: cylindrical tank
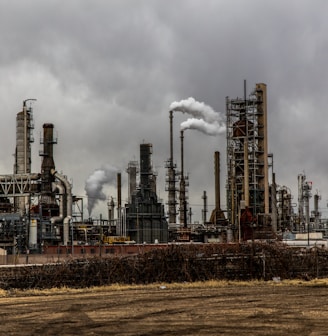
<point>33,234</point>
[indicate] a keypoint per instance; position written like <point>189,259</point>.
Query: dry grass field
<point>209,308</point>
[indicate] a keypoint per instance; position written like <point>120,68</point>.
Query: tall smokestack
<point>204,207</point>
<point>171,178</point>
<point>217,215</point>
<point>183,203</point>
<point>119,190</point>
<point>119,227</point>
<point>47,164</point>
<point>171,137</point>
<point>217,180</point>
<point>146,169</point>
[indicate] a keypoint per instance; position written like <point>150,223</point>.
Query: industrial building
<point>38,210</point>
<point>145,216</point>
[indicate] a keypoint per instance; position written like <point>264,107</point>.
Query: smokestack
<point>111,206</point>
<point>171,178</point>
<point>182,154</point>
<point>217,215</point>
<point>119,226</point>
<point>171,138</point>
<point>119,190</point>
<point>183,203</point>
<point>204,207</point>
<point>146,172</point>
<point>47,164</point>
<point>217,179</point>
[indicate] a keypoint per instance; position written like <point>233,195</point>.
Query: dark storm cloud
<point>106,72</point>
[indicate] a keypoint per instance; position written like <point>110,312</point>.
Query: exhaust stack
<point>183,202</point>
<point>217,215</point>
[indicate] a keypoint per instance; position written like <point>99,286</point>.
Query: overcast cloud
<point>105,73</point>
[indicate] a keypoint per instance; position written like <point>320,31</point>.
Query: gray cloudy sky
<point>105,73</point>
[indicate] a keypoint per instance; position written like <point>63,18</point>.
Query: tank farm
<point>46,241</point>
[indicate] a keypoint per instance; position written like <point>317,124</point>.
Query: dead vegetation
<point>176,264</point>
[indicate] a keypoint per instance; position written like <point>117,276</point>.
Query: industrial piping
<point>61,189</point>
<point>68,217</point>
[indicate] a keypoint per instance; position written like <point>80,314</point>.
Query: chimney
<point>217,179</point>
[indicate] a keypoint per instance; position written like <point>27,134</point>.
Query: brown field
<point>211,308</point>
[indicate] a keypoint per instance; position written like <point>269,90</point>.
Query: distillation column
<point>24,138</point>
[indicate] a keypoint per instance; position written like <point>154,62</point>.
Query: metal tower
<point>247,163</point>
<point>24,138</point>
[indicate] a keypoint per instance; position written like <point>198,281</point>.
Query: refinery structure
<point>39,211</point>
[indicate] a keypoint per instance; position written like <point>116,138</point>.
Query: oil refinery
<point>39,212</point>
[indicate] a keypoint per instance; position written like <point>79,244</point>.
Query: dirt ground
<point>263,309</point>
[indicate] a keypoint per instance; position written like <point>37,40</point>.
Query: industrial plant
<point>40,214</point>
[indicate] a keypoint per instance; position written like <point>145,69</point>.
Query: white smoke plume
<point>214,128</point>
<point>205,118</point>
<point>95,182</point>
<point>196,109</point>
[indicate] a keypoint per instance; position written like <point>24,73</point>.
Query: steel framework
<point>247,157</point>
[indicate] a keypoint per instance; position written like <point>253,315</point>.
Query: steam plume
<point>199,124</point>
<point>196,109</point>
<point>95,182</point>
<point>205,118</point>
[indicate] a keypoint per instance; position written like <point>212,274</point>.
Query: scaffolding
<point>247,160</point>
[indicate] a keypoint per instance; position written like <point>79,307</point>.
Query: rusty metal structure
<point>38,210</point>
<point>247,186</point>
<point>217,215</point>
